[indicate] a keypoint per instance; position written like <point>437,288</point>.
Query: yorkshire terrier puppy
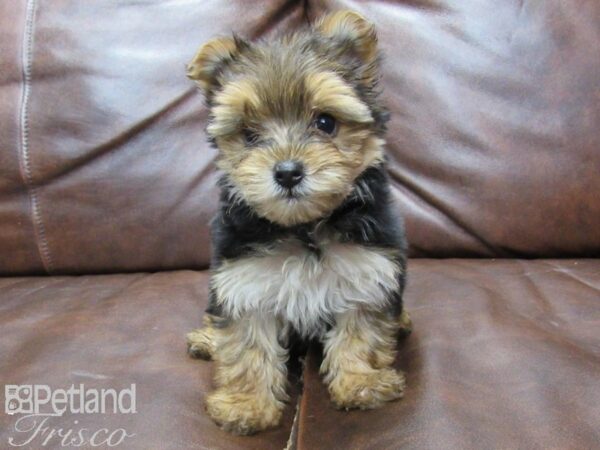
<point>306,242</point>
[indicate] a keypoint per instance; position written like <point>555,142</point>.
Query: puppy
<point>306,241</point>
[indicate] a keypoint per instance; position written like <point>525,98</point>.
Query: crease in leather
<point>13,281</point>
<point>441,209</point>
<point>572,276</point>
<point>32,342</point>
<point>126,287</point>
<point>276,15</point>
<point>66,280</point>
<point>564,340</point>
<point>125,136</point>
<point>292,443</point>
<point>418,251</point>
<point>432,5</point>
<point>517,21</point>
<point>513,317</point>
<point>537,292</point>
<point>52,282</point>
<point>191,186</point>
<point>31,186</point>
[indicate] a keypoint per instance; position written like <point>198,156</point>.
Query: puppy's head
<point>295,120</point>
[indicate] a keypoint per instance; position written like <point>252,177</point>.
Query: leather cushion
<point>504,355</point>
<point>109,332</point>
<point>105,167</point>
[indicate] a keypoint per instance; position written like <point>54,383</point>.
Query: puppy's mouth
<point>292,195</point>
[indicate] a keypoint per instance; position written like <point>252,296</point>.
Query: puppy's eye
<point>250,137</point>
<point>325,123</point>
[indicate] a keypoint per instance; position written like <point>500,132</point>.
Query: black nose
<point>289,173</point>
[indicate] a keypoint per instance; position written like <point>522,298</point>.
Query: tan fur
<point>405,323</point>
<point>251,376</point>
<point>352,27</point>
<point>210,55</point>
<point>331,167</point>
<point>231,107</point>
<point>201,342</point>
<point>267,105</point>
<point>329,93</point>
<point>332,163</point>
<point>359,352</point>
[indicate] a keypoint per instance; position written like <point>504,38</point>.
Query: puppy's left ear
<point>353,32</point>
<point>212,58</point>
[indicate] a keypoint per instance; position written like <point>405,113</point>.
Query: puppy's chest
<point>306,285</point>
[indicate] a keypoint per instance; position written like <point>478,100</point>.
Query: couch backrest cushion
<point>494,138</point>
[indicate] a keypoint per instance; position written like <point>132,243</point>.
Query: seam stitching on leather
<point>25,164</point>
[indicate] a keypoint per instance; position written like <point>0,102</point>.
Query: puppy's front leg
<point>359,351</point>
<point>251,375</point>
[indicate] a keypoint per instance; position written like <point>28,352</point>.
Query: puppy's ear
<point>211,59</point>
<point>353,32</point>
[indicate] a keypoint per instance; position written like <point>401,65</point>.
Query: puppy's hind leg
<point>201,342</point>
<point>405,323</point>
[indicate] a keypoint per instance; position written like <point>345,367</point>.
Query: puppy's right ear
<point>210,60</point>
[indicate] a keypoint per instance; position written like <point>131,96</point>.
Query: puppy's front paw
<point>243,413</point>
<point>366,390</point>
<point>200,343</point>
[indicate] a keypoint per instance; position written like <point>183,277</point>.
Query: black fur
<point>366,217</point>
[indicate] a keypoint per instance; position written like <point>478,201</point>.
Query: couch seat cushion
<point>109,331</point>
<point>505,354</point>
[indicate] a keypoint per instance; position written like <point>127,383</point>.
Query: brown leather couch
<point>107,185</point>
